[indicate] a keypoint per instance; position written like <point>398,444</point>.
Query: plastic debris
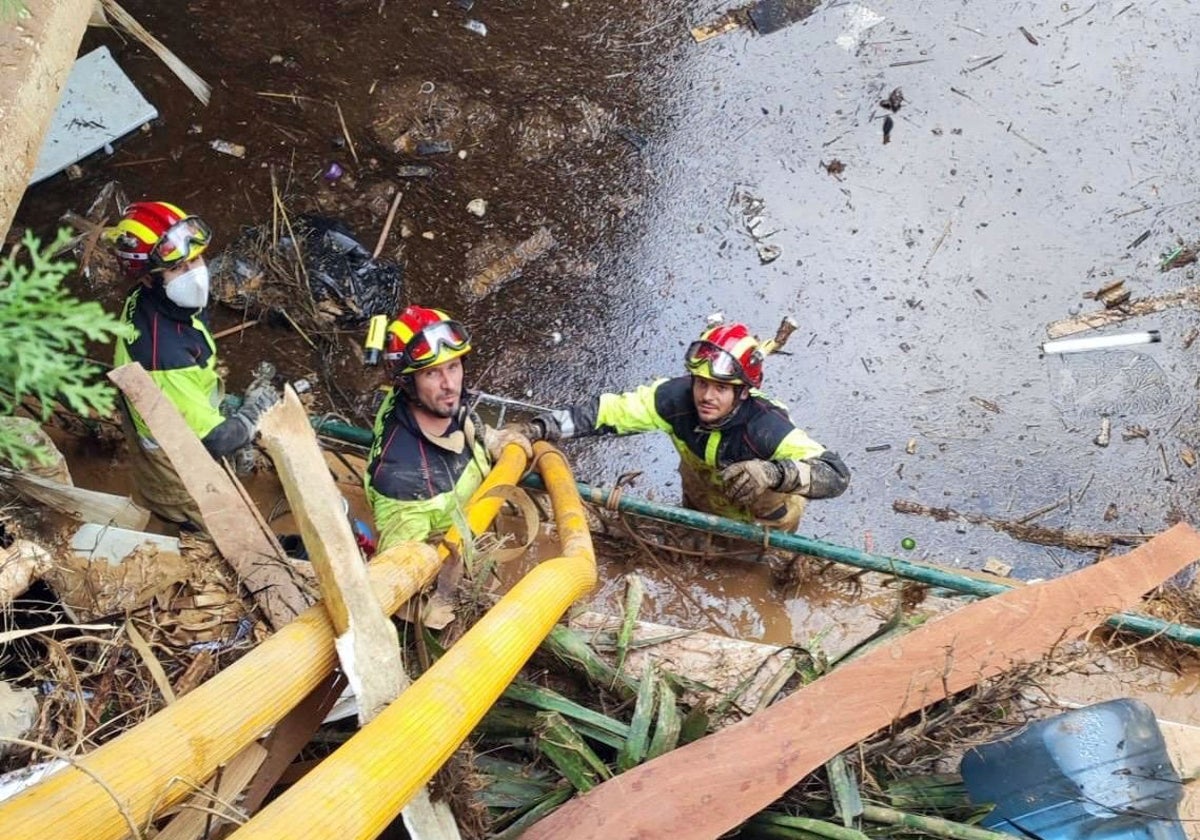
<point>333,172</point>
<point>476,26</point>
<point>1102,342</point>
<point>226,148</point>
<point>434,147</point>
<point>477,207</point>
<point>347,284</point>
<point>419,171</point>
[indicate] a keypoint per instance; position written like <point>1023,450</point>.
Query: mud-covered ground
<point>1041,151</point>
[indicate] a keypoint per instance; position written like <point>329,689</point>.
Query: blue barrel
<point>1097,772</point>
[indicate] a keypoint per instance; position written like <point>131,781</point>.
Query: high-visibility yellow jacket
<point>417,485</point>
<point>759,428</point>
<point>175,347</point>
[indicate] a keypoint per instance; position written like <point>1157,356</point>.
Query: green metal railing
<point>797,544</point>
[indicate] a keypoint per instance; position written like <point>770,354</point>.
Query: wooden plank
<point>274,585</point>
<point>84,505</point>
<point>712,785</point>
<point>37,51</point>
<point>367,643</point>
<point>196,819</point>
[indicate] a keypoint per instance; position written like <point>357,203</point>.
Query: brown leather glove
<point>494,440</point>
<point>745,481</point>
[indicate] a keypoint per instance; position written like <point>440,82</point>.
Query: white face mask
<point>190,289</point>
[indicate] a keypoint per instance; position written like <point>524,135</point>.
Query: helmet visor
<point>183,241</point>
<point>712,362</point>
<point>426,347</point>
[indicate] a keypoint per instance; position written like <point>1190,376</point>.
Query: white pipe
<point>1101,342</point>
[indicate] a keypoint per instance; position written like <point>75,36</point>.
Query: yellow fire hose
<point>115,790</point>
<point>362,787</point>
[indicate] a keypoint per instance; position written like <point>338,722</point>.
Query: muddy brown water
<point>923,274</point>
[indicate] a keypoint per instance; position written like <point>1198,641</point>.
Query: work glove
<point>796,477</point>
<point>745,481</point>
<point>494,441</point>
<point>552,426</point>
<point>257,402</point>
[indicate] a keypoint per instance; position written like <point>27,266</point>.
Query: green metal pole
<point>797,544</point>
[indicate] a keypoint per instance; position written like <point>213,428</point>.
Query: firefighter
<point>160,249</point>
<point>740,454</point>
<point>429,451</point>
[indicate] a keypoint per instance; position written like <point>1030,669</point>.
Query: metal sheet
<point>99,104</point>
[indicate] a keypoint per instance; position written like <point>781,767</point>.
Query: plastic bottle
<point>1097,772</point>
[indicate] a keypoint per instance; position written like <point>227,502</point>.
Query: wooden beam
<point>367,644</point>
<point>712,785</point>
<point>37,51</point>
<point>262,569</point>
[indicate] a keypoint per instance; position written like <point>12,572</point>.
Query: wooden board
<point>712,785</point>
<point>265,574</point>
<point>367,644</point>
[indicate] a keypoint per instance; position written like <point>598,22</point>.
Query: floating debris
<point>1105,434</point>
<point>835,167</point>
<point>1114,294</point>
<point>752,210</point>
<point>477,207</point>
<point>1178,258</point>
<point>414,171</point>
<point>997,567</point>
<point>226,148</point>
<point>333,172</point>
<point>434,147</point>
<point>1135,433</point>
<point>893,102</point>
<point>726,23</point>
<point>1102,342</point>
<point>476,26</point>
<point>986,405</point>
<point>1028,35</point>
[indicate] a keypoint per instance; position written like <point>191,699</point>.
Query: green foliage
<point>12,11</point>
<point>43,338</point>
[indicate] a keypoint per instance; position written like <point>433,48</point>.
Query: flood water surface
<point>1040,151</point>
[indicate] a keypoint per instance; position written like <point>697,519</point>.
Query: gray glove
<point>552,426</point>
<point>257,402</point>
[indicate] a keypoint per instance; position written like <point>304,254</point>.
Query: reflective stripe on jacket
<point>759,429</point>
<point>417,485</point>
<point>177,350</point>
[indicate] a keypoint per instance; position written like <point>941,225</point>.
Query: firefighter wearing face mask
<point>740,455</point>
<point>161,248</point>
<point>429,451</point>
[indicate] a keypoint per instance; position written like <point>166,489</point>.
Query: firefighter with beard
<point>740,454</point>
<point>429,452</point>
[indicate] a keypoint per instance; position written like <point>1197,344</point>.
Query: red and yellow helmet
<point>727,353</point>
<point>153,235</point>
<point>422,338</point>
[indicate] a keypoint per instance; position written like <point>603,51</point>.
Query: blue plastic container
<point>1097,773</point>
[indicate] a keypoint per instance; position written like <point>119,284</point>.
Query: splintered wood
<point>710,786</point>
